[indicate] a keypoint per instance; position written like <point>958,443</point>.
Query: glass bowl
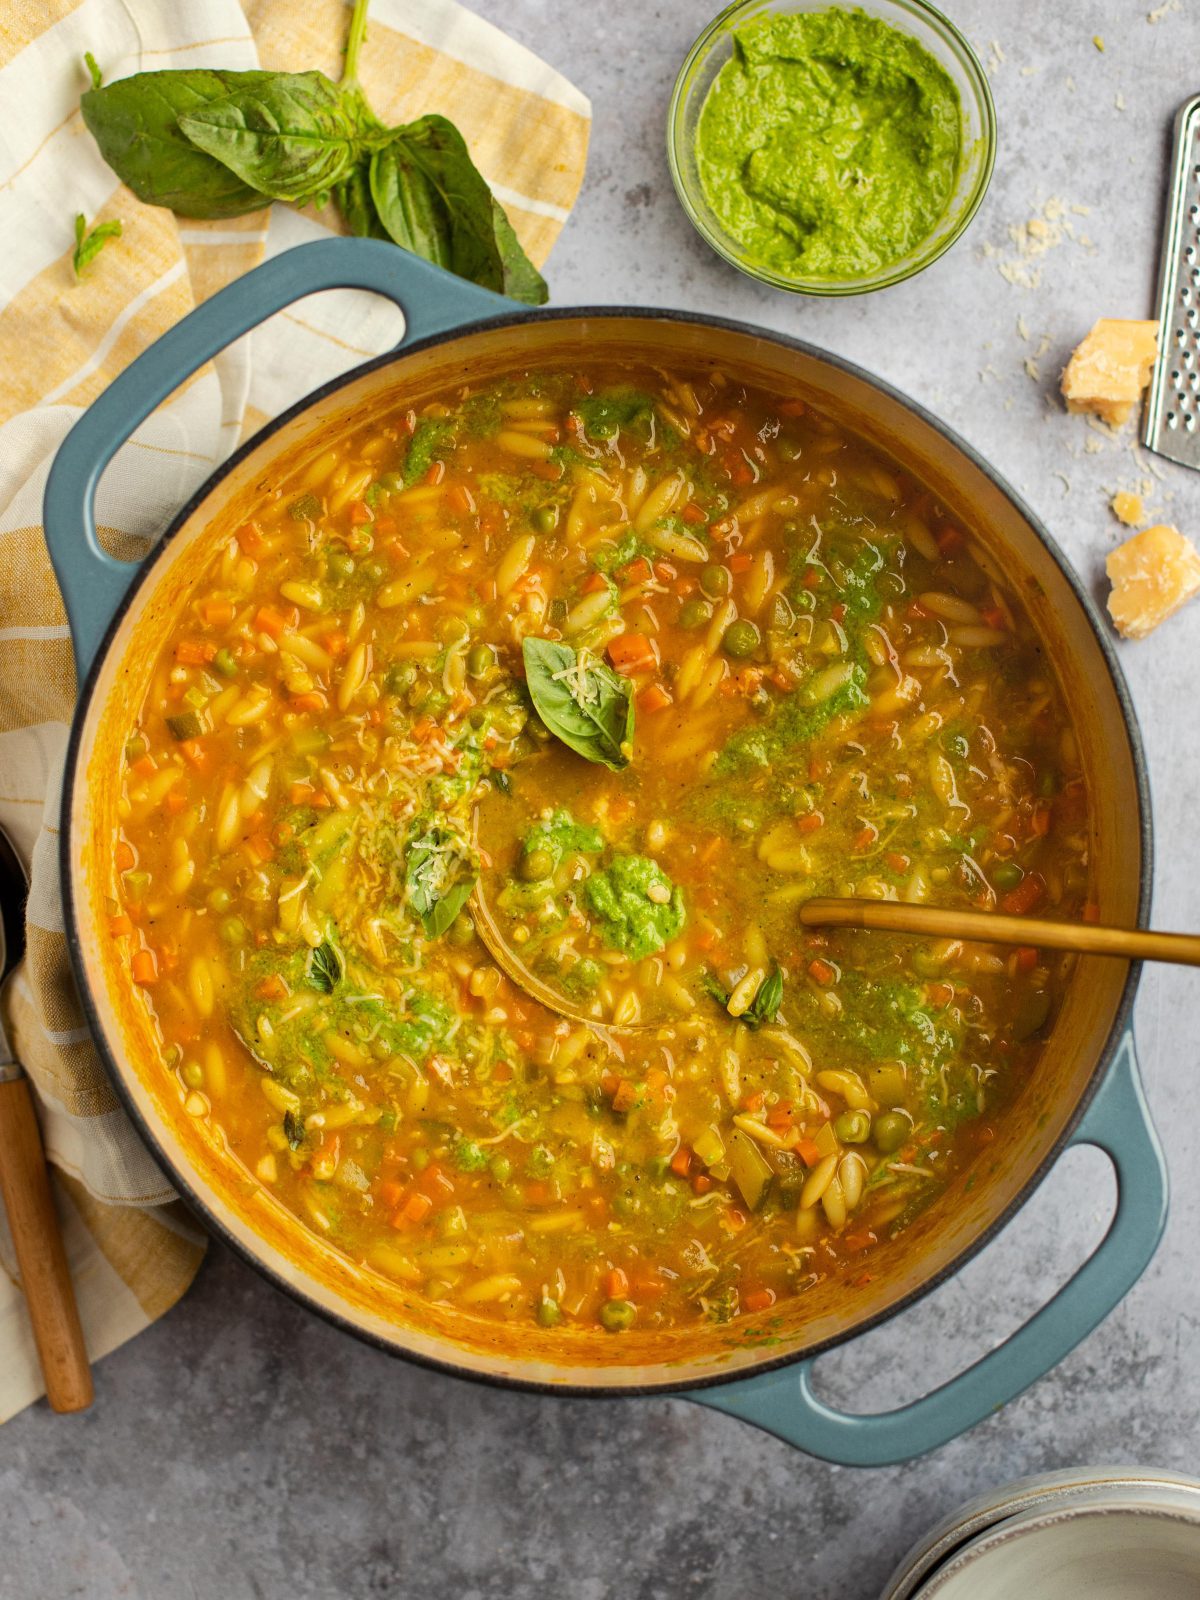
<point>936,34</point>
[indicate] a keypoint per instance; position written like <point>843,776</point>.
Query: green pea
<point>741,639</point>
<point>788,449</point>
<point>418,694</point>
<point>225,664</point>
<point>536,865</point>
<point>545,519</point>
<point>418,1159</point>
<point>234,931</point>
<point>340,565</point>
<point>374,571</point>
<point>219,900</point>
<point>890,1130</point>
<point>853,1127</point>
<point>501,1168</point>
<point>548,1313</point>
<point>461,931</point>
<point>694,613</point>
<point>193,1074</point>
<point>454,629</point>
<point>1006,874</point>
<point>135,748</point>
<point>659,1166</point>
<point>481,658</point>
<point>716,582</point>
<point>618,1315</point>
<point>401,675</point>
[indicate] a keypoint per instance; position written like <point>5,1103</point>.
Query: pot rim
<point>141,573</point>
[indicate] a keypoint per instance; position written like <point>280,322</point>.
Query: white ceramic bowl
<point>1092,1533</point>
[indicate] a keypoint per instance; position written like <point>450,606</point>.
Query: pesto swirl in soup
<point>617,667</point>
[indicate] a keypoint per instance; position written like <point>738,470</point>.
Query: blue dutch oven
<point>1086,1089</point>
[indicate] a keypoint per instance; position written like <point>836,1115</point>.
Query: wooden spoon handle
<point>1088,938</point>
<point>45,1276</point>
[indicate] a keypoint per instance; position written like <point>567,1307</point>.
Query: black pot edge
<point>1121,1023</point>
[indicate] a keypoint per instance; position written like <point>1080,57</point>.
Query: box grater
<point>1172,426</point>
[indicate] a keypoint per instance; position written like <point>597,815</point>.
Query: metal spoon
<point>25,1183</point>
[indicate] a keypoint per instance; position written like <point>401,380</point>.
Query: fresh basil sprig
<point>582,701</point>
<point>218,144</point>
<point>438,878</point>
<point>324,969</point>
<point>768,997</point>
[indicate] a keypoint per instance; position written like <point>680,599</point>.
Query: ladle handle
<point>94,583</point>
<point>37,1241</point>
<point>1088,938</point>
<point>786,1404</point>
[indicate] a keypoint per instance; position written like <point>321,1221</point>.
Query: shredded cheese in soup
<point>619,667</point>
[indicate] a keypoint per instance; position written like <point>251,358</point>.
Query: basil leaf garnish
<point>438,878</point>
<point>582,701</point>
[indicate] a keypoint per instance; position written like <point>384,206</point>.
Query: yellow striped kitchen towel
<point>133,1249</point>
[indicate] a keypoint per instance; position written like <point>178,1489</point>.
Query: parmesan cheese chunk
<point>1152,575</point>
<point>1128,508</point>
<point>1110,369</point>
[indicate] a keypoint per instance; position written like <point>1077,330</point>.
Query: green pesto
<point>829,144</point>
<point>560,835</point>
<point>629,920</point>
<point>794,724</point>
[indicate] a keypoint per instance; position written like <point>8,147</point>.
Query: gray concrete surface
<point>241,1449</point>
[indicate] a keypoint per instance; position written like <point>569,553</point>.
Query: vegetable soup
<point>467,816</point>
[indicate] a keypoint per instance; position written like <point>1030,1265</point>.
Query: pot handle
<point>785,1404</point>
<point>93,583</point>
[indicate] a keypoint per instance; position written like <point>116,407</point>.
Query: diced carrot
<point>1026,958</point>
<point>632,653</point>
<point>194,652</point>
<point>681,1162</point>
<point>272,987</point>
<point>949,539</point>
<point>385,527</point>
<point>594,582</point>
<point>145,766</point>
<point>705,939</point>
<point>753,1101</point>
<point>459,499</point>
<point>1027,894</point>
<point>993,616</point>
<point>175,803</point>
<point>757,1299</point>
<point>639,571</point>
<point>124,856</point>
<point>865,838</point>
<point>251,540</point>
<point>194,753</point>
<point>436,1182</point>
<point>625,1096</point>
<point>692,514</point>
<point>360,513</point>
<point>838,612</point>
<point>217,613</point>
<point>811,578</point>
<point>415,1209</point>
<point>701,1183</point>
<point>145,967</point>
<point>299,793</point>
<point>653,698</point>
<point>548,471</point>
<point>821,972</point>
<point>810,822</point>
<point>308,702</point>
<point>809,1152</point>
<point>435,474</point>
<point>860,1239</point>
<point>388,1193</point>
<point>792,408</point>
<point>616,1284</point>
<point>334,642</point>
<point>321,800</point>
<point>740,561</point>
<point>260,847</point>
<point>1091,912</point>
<point>538,1194</point>
<point>664,571</point>
<point>684,586</point>
<point>120,925</point>
<point>896,860</point>
<point>940,994</point>
<point>780,1115</point>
